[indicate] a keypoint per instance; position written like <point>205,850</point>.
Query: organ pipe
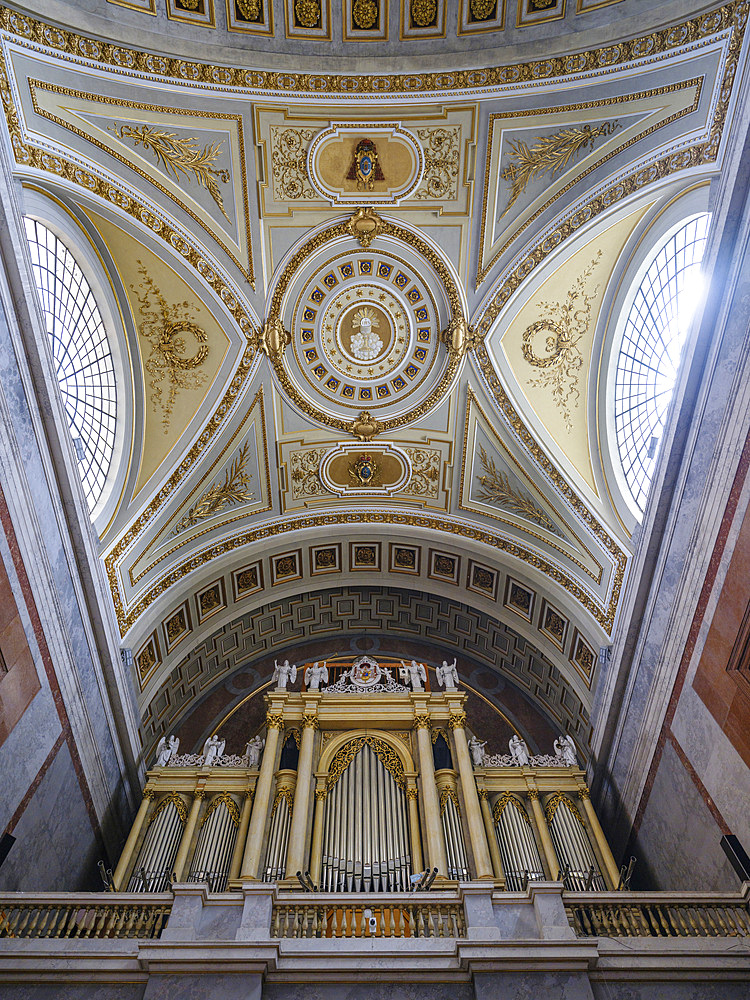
<point>572,844</point>
<point>159,849</point>
<point>458,867</point>
<point>515,838</point>
<point>281,815</point>
<point>213,853</point>
<point>366,836</point>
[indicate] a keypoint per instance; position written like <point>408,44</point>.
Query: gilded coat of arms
<point>365,168</point>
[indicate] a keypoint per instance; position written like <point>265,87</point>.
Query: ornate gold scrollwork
<point>365,426</point>
<point>365,225</point>
<point>274,338</point>
<point>556,801</point>
<point>385,754</point>
<point>459,337</point>
<point>506,799</point>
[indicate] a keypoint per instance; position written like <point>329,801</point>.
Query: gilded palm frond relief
<point>497,489</point>
<point>234,490</point>
<point>180,156</point>
<point>549,155</point>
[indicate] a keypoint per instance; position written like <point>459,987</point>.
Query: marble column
<point>417,864</point>
<point>295,855</point>
<point>489,827</point>
<point>548,847</point>
<point>239,847</point>
<point>188,834</point>
<point>612,871</point>
<point>477,835</point>
<point>130,844</point>
<point>316,847</point>
<point>436,856</point>
<point>254,845</point>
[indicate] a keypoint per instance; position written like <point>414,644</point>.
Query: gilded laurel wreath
<point>179,156</point>
<point>566,323</point>
<point>164,326</point>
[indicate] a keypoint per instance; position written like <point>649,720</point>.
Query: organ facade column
<point>180,862</point>
<point>255,845</point>
<point>130,844</point>
<point>298,833</point>
<point>436,856</point>
<point>417,863</point>
<point>613,872</point>
<point>457,721</point>
<point>548,847</point>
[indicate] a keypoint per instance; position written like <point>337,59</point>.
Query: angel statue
<point>166,750</point>
<point>414,674</point>
<point>447,675</point>
<point>284,673</point>
<point>518,750</point>
<point>566,748</point>
<point>477,751</point>
<point>314,675</point>
<point>252,750</point>
<point>213,748</point>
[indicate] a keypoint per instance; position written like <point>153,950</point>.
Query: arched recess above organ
<point>501,701</point>
<point>318,622</point>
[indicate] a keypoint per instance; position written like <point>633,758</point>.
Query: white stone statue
<point>253,749</point>
<point>314,675</point>
<point>213,748</point>
<point>566,748</point>
<point>414,674</point>
<point>166,750</point>
<point>518,750</point>
<point>476,748</point>
<point>447,675</point>
<point>284,673</point>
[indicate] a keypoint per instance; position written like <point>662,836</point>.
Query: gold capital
<point>411,793</point>
<point>583,793</point>
<point>310,722</point>
<point>275,721</point>
<point>320,794</point>
<point>533,794</point>
<point>421,722</point>
<point>457,720</point>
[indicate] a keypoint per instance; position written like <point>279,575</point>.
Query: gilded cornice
<point>123,60</point>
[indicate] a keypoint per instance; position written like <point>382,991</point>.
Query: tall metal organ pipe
<point>515,838</point>
<point>572,844</point>
<point>366,835</point>
<point>458,867</point>
<point>159,849</point>
<point>213,853</point>
<point>275,867</point>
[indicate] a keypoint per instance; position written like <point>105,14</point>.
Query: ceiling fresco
<point>366,315</point>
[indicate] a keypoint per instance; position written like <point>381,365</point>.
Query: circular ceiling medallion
<point>364,326</point>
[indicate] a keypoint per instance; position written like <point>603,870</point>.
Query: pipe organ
<point>357,786</point>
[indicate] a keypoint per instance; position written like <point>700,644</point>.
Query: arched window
<point>653,336</point>
<point>83,357</point>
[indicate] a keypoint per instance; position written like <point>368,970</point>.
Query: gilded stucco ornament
<point>274,338</point>
<point>365,426</point>
<point>459,337</point>
<point>365,225</point>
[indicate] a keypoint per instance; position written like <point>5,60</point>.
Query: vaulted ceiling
<point>335,379</point>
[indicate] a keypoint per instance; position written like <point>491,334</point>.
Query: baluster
<point>26,928</point>
<point>41,924</point>
<point>658,911</point>
<point>698,924</point>
<point>391,922</point>
<point>420,922</point>
<point>412,923</point>
<point>708,913</point>
<point>678,921</point>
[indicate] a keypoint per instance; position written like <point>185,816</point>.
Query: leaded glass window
<point>649,355</point>
<point>83,359</point>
